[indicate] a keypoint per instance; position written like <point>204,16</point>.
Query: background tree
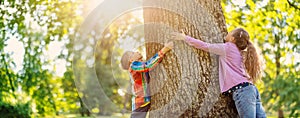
<point>38,26</point>
<point>34,24</point>
<point>188,86</point>
<point>109,48</point>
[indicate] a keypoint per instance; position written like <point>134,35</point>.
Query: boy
<point>139,76</point>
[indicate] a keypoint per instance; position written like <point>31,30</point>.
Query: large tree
<point>186,83</point>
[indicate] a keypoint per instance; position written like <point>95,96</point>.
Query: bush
<point>8,110</point>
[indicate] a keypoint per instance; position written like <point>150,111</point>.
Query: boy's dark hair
<point>125,60</point>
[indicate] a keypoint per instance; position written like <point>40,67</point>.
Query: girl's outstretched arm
<point>218,48</point>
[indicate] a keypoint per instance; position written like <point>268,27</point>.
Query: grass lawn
<point>127,115</point>
<point>116,115</point>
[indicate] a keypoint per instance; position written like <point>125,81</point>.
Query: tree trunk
<point>280,113</point>
<point>278,66</point>
<point>186,84</point>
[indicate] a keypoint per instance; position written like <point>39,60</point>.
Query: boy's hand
<point>169,45</point>
<point>178,36</point>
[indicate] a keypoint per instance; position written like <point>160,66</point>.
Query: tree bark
<point>186,84</point>
<point>278,66</point>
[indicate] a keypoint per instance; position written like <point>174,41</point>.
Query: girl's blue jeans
<point>247,102</point>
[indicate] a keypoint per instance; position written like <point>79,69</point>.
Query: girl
<point>239,68</point>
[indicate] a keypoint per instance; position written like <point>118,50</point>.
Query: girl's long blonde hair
<point>252,60</point>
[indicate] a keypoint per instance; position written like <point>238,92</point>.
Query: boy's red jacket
<point>139,76</point>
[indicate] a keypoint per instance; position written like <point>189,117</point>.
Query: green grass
<point>115,115</point>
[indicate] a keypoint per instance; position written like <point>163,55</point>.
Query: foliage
<point>19,110</point>
<point>36,24</point>
<point>39,25</point>
<point>109,74</point>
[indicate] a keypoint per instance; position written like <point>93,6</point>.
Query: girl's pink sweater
<point>231,67</point>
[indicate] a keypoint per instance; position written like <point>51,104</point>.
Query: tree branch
<point>293,5</point>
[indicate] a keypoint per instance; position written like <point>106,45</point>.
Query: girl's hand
<point>178,36</point>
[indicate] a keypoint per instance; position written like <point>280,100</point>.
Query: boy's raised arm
<point>152,62</point>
